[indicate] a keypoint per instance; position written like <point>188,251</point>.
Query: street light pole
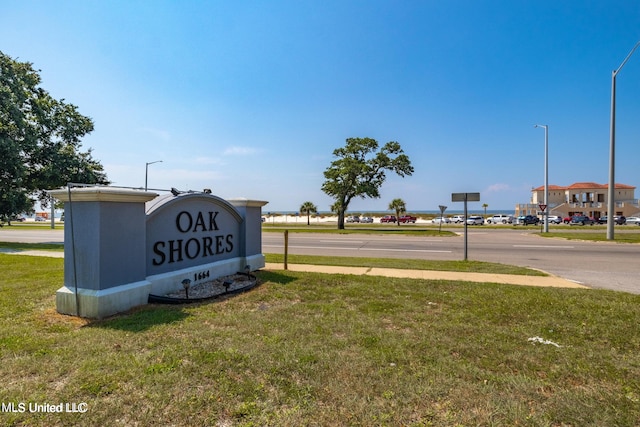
<point>611,205</point>
<point>545,212</point>
<point>146,172</point>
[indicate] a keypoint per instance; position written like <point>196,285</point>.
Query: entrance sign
<point>122,245</point>
<point>465,197</point>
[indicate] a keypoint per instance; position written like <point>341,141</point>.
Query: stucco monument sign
<point>122,245</point>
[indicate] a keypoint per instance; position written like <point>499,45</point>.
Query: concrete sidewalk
<point>513,279</point>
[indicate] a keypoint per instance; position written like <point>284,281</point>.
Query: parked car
<point>619,220</point>
<point>353,218</point>
<point>475,220</point>
<point>366,220</point>
<point>555,219</point>
<point>457,219</point>
<point>441,220</point>
<point>566,219</point>
<point>40,219</point>
<point>582,220</point>
<point>633,220</point>
<point>500,219</point>
<point>388,218</point>
<point>527,220</point>
<point>407,218</point>
<point>18,219</point>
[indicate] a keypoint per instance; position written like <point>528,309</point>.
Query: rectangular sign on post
<point>465,197</point>
<point>461,197</point>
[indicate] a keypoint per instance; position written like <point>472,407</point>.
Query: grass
<point>312,349</point>
<point>411,230</point>
<point>414,264</point>
<point>16,246</point>
<point>626,236</point>
<point>34,225</point>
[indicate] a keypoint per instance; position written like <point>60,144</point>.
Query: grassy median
<point>411,264</point>
<point>314,349</point>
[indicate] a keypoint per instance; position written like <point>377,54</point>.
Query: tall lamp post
<point>611,205</point>
<point>146,172</point>
<point>545,212</point>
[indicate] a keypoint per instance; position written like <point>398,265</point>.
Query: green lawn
<point>600,235</point>
<point>314,349</point>
<point>34,225</point>
<point>16,246</point>
<point>391,229</point>
<point>466,266</point>
<point>414,264</point>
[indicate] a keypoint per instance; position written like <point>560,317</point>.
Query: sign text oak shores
<point>122,245</point>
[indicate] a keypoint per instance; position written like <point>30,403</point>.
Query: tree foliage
<point>39,140</point>
<point>308,208</point>
<point>399,206</point>
<point>359,170</point>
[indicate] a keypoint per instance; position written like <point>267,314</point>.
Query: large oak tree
<point>40,138</point>
<point>359,170</point>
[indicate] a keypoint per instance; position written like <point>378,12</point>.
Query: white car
<point>633,220</point>
<point>366,219</point>
<point>475,220</point>
<point>555,219</point>
<point>441,220</point>
<point>500,219</point>
<point>457,219</point>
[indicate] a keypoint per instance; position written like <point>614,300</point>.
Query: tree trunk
<point>308,214</point>
<point>340,219</point>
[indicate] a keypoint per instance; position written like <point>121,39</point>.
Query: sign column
<point>104,250</point>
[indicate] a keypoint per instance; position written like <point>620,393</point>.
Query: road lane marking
<point>406,250</point>
<point>357,248</point>
<point>544,246</point>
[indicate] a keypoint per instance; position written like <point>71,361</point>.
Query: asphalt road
<point>46,235</point>
<point>605,265</point>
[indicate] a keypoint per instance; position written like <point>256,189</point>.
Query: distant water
<point>420,212</point>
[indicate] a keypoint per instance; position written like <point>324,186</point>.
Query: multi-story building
<point>587,198</point>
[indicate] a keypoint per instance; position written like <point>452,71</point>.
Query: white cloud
<point>498,188</point>
<point>239,151</point>
<point>209,161</point>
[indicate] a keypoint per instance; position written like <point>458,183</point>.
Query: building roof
<point>585,186</point>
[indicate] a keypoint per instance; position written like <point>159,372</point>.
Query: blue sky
<point>250,98</point>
